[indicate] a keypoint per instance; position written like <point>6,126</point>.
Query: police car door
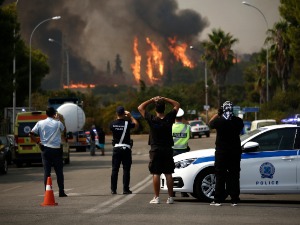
<point>273,167</point>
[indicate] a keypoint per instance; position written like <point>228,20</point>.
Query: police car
<point>270,165</point>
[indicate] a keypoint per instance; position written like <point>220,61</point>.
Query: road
<point>87,182</point>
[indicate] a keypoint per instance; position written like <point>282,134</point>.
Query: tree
<point>12,46</point>
<point>219,57</point>
<point>290,11</point>
<point>280,52</point>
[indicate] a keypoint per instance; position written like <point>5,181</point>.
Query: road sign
<point>251,109</point>
<point>206,107</point>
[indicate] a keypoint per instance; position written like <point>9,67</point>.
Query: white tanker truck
<point>74,121</point>
<point>74,117</point>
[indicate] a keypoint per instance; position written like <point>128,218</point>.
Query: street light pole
<point>267,71</point>
<point>67,57</point>
<point>206,107</point>
<point>52,18</point>
<point>14,79</point>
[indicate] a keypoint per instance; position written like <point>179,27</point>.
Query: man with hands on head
<point>161,142</point>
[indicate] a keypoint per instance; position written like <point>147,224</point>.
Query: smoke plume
<point>95,31</point>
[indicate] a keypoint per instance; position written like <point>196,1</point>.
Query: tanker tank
<point>74,116</point>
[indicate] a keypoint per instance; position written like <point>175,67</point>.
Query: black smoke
<point>95,31</point>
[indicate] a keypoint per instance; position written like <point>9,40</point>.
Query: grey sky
<point>243,22</point>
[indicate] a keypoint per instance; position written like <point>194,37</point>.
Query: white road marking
<point>9,189</point>
<point>114,202</point>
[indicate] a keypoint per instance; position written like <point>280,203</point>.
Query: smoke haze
<point>95,31</point>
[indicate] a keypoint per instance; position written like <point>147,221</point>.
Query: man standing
<point>92,140</point>
<point>161,142</point>
<point>49,131</point>
<point>181,134</point>
<point>121,148</point>
<point>228,154</point>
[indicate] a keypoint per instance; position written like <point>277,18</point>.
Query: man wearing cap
<point>49,131</point>
<point>181,134</point>
<point>121,148</point>
<point>228,154</point>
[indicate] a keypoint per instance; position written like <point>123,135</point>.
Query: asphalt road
<point>87,182</point>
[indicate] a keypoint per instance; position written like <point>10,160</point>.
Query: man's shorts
<point>161,160</point>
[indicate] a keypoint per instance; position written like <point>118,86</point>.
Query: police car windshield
<point>251,133</point>
<point>197,123</point>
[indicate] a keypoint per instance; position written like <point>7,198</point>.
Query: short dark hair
<point>50,112</point>
<point>120,110</point>
<point>160,106</point>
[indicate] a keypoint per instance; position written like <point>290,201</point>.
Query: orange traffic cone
<point>49,195</point>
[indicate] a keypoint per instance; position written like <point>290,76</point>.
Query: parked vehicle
<point>27,150</point>
<point>199,128</point>
<point>269,165</point>
<point>5,154</point>
<point>261,123</point>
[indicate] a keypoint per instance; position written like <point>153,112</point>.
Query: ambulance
<point>27,150</point>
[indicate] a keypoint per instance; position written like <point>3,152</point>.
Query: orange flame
<point>154,60</point>
<point>178,51</point>
<point>136,66</point>
<point>79,85</point>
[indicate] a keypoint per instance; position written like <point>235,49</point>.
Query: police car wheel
<point>204,186</point>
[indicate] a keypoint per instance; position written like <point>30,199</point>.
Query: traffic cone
<point>49,195</point>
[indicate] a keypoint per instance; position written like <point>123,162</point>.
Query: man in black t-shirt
<point>161,142</point>
<point>228,154</point>
<point>122,150</point>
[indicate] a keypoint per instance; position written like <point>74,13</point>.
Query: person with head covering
<point>122,148</point>
<point>161,142</point>
<point>181,133</point>
<point>227,154</point>
<point>49,131</point>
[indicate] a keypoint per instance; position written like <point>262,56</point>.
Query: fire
<point>179,52</point>
<point>155,63</point>
<point>136,66</point>
<point>154,60</point>
<point>79,85</point>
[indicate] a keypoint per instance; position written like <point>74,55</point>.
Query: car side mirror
<point>250,146</point>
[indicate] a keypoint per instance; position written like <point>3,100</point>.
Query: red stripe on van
<point>31,117</point>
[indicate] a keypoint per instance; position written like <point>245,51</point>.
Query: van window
<point>25,128</point>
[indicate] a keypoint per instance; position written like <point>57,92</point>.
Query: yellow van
<point>27,150</point>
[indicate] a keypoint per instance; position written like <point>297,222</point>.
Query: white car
<point>199,128</point>
<point>270,165</point>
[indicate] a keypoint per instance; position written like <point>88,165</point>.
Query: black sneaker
<point>113,192</point>
<point>127,192</point>
<point>63,194</point>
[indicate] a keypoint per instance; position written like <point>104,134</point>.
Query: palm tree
<point>219,57</point>
<point>280,52</point>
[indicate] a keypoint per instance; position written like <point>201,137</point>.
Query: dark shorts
<point>161,160</point>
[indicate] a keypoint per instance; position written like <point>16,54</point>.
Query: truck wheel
<point>4,167</point>
<point>67,160</point>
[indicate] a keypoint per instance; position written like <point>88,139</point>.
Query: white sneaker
<point>170,200</point>
<point>234,204</point>
<point>155,200</point>
<point>215,203</point>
